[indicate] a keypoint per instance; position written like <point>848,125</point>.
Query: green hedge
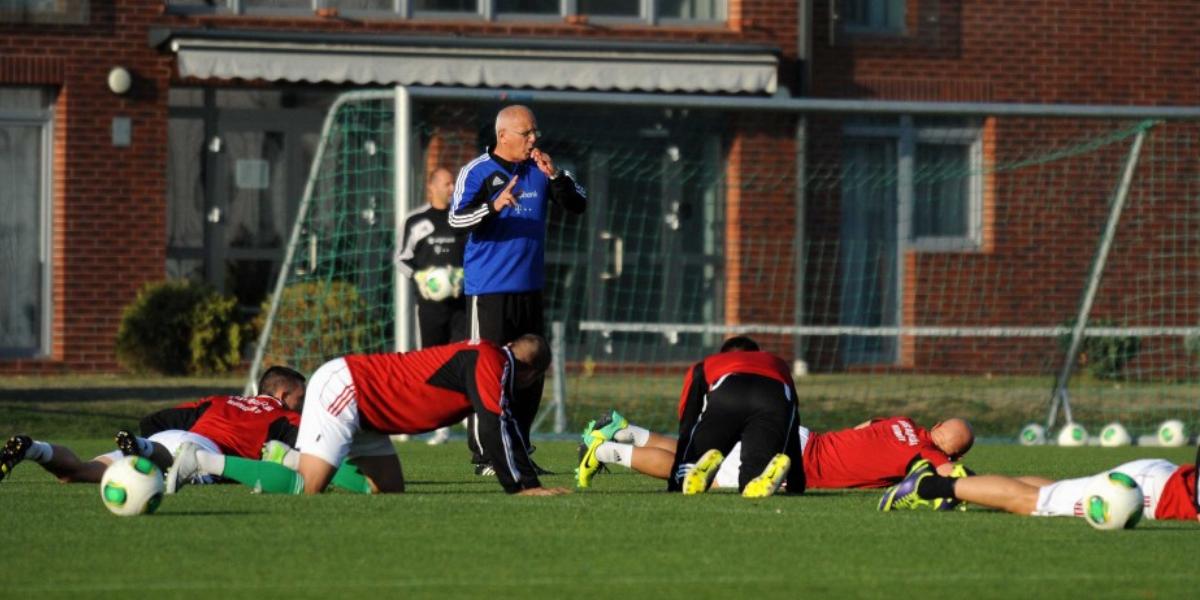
<point>180,328</point>
<point>316,321</point>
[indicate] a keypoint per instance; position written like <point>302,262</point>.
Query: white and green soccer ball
<point>1072,435</point>
<point>438,284</point>
<point>1032,435</point>
<point>1172,434</point>
<point>1114,435</point>
<point>1113,501</point>
<point>133,485</point>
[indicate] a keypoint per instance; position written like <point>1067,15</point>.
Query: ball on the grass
<point>1115,435</point>
<point>1113,501</point>
<point>133,485</point>
<point>1032,435</point>
<point>1172,434</point>
<point>1072,435</point>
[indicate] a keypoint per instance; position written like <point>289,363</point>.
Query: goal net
<point>931,265</point>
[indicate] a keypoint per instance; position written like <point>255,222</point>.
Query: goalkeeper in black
<point>431,253</point>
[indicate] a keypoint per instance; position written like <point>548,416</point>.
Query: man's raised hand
<point>506,197</point>
<point>544,164</point>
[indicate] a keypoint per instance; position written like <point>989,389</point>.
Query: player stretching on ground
<point>1169,489</point>
<point>740,395</point>
<point>355,402</point>
<point>229,424</point>
<point>875,454</point>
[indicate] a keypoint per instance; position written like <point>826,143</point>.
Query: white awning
<point>603,69</point>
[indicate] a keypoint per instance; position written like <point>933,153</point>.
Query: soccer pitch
<point>458,535</point>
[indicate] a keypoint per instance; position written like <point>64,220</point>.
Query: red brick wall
<point>1086,51</point>
<point>1041,225</point>
<point>109,211</point>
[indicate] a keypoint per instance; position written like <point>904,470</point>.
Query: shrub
<point>316,321</point>
<point>179,328</point>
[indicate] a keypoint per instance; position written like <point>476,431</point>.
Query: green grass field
<point>457,535</point>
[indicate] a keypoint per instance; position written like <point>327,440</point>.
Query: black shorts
<point>755,410</point>
<point>502,318</point>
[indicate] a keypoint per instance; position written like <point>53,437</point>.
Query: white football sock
<point>210,463</point>
<point>638,436</point>
<point>612,452</point>
<point>39,452</point>
<point>291,460</point>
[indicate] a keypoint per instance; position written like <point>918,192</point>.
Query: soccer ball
<point>1114,435</point>
<point>1072,435</point>
<point>133,485</point>
<point>1172,434</point>
<point>437,284</point>
<point>1113,501</point>
<point>1032,435</point>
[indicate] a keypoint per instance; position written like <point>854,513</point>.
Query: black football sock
<point>935,486</point>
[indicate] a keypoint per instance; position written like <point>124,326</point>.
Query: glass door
<point>261,162</point>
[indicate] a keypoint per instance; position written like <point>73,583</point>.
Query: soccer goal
<point>1004,264</point>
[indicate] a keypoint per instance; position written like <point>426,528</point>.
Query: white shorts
<point>171,439</point>
<point>1065,498</point>
<point>727,475</point>
<point>329,426</point>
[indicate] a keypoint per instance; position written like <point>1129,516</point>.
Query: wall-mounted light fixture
<point>120,80</point>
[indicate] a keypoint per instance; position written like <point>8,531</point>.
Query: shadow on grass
<point>207,513</point>
<point>101,394</point>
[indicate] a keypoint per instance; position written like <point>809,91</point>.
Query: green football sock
<point>349,478</point>
<point>266,477</point>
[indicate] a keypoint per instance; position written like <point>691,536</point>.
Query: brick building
<point>196,170</point>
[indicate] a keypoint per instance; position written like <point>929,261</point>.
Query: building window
<point>645,11</point>
<point>26,129</point>
<point>699,10</point>
<point>872,16</point>
<point>610,8</point>
<point>450,6</point>
<point>528,7</point>
<point>44,11</point>
<point>935,180</point>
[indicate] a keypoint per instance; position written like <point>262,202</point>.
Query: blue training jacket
<point>505,252</point>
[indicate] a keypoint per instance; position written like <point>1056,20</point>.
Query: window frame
<point>485,11</point>
<point>906,134</point>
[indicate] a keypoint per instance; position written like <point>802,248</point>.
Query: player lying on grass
<point>230,424</point>
<point>1169,490</point>
<point>355,402</point>
<point>875,454</point>
<point>740,395</point>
